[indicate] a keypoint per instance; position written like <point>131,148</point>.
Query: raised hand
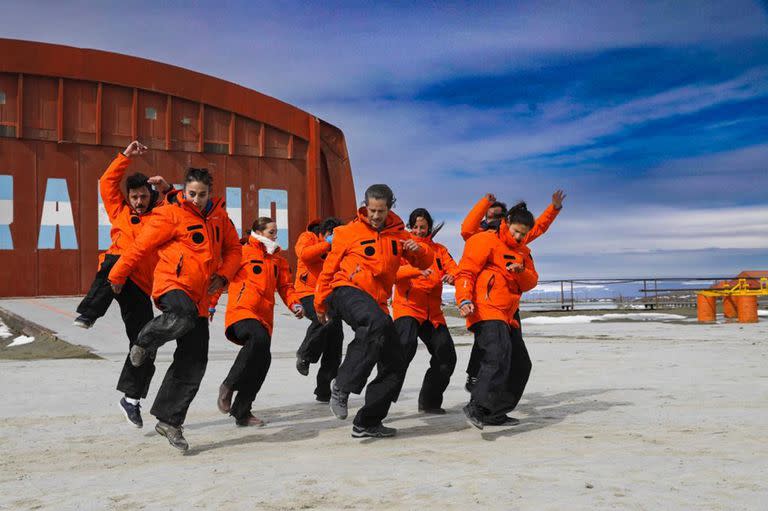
<point>135,148</point>
<point>217,282</point>
<point>490,197</point>
<point>160,184</point>
<point>557,199</point>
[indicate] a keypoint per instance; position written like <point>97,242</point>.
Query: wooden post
<point>99,101</point>
<point>60,113</point>
<point>313,164</point>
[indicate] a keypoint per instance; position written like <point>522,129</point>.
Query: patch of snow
<point>4,332</point>
<point>21,340</point>
<point>581,319</point>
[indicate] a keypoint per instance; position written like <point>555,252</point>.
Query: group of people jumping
<point>179,249</point>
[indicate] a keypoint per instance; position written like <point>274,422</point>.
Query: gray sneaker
<point>377,431</point>
<point>138,355</point>
<point>338,401</point>
<point>173,434</point>
<point>83,322</point>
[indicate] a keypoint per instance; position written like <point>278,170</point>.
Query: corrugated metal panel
<point>185,125</point>
<point>40,100</point>
<point>80,111</point>
<point>8,106</point>
<point>276,143</point>
<point>116,115</point>
<point>216,130</point>
<point>151,119</point>
<point>247,136</point>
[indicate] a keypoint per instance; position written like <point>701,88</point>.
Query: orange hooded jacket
<point>311,251</point>
<point>422,297</point>
<point>252,290</point>
<point>471,224</point>
<point>367,259</point>
<point>126,223</point>
<point>192,246</point>
<point>484,279</point>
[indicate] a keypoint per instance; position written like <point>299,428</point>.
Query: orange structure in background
<point>64,114</point>
<point>739,297</point>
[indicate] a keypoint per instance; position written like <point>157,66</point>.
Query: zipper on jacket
<point>240,295</point>
<point>357,270</point>
<point>179,265</point>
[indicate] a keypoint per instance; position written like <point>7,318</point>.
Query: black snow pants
<point>251,365</point>
<point>441,364</point>
<point>180,321</point>
<point>375,344</point>
<point>322,343</point>
<point>136,311</point>
<point>504,367</point>
<point>99,297</point>
<point>473,366</point>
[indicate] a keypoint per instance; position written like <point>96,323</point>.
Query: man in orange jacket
<point>128,215</point>
<point>495,269</point>
<point>417,310</point>
<point>199,252</point>
<point>356,283</point>
<point>321,340</point>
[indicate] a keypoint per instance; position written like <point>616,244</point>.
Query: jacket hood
<point>177,197</point>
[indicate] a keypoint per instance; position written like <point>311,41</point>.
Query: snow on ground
<point>580,319</point>
<point>4,332</point>
<point>21,340</point>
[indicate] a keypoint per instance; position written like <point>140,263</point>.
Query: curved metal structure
<point>64,114</point>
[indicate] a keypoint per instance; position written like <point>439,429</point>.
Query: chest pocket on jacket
<point>370,249</point>
<point>439,264</point>
<point>394,247</point>
<point>197,236</point>
<point>510,259</point>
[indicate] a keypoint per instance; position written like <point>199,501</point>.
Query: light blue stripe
<point>6,241</point>
<point>56,190</point>
<point>47,238</point>
<point>6,187</point>
<point>234,197</point>
<point>268,195</point>
<point>68,237</point>
<point>282,238</point>
<point>104,240</point>
<point>178,186</point>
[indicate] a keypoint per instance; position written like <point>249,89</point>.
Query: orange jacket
<point>126,223</point>
<point>252,290</point>
<point>311,251</point>
<point>367,259</point>
<point>471,224</point>
<point>192,246</point>
<point>484,280</point>
<point>421,297</point>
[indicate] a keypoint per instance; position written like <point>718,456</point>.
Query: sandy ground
<point>616,416</point>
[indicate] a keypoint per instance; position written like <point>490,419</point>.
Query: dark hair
<point>200,175</point>
<point>380,192</point>
<point>503,207</point>
<point>258,225</point>
<point>420,213</point>
<point>329,224</point>
<point>519,214</point>
<point>315,226</point>
<point>261,223</point>
<point>137,180</point>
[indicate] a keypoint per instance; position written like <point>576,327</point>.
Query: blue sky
<point>653,116</point>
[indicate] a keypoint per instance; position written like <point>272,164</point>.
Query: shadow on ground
<point>304,421</point>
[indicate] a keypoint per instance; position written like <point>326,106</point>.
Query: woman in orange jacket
<point>495,269</point>
<point>250,315</point>
<point>355,284</point>
<point>487,214</point>
<point>321,340</point>
<point>417,310</point>
<point>199,252</point>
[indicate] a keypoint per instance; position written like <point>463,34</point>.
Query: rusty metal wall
<point>58,134</point>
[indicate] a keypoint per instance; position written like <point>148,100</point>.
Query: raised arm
<point>471,224</point>
<point>309,250</point>
<point>544,221</point>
